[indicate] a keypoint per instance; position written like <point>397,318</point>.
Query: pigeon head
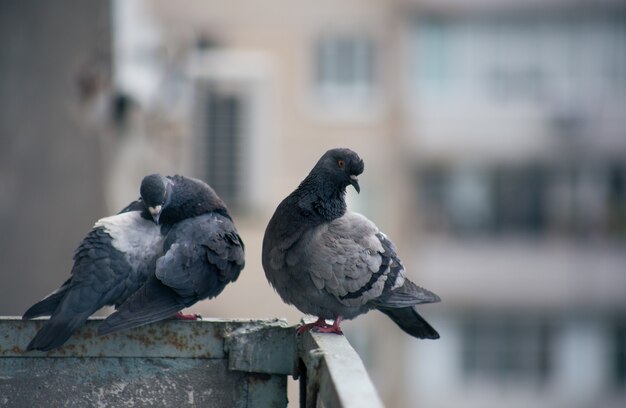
<point>341,167</point>
<point>156,193</point>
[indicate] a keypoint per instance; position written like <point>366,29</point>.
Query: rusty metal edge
<point>335,374</point>
<point>262,348</point>
<point>203,338</point>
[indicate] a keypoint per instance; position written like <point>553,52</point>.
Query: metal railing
<point>209,362</point>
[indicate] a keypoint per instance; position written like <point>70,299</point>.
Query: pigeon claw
<point>182,316</point>
<point>320,326</point>
<point>328,329</point>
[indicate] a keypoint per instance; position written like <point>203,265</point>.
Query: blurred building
<point>495,147</point>
<point>55,65</point>
<point>494,136</point>
<point>518,127</point>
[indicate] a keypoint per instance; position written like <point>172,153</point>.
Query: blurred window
<point>220,158</point>
<point>520,58</point>
<point>575,199</point>
<point>506,350</point>
<point>618,357</point>
<point>519,199</point>
<point>469,200</point>
<point>616,199</point>
<point>490,200</point>
<point>344,68</point>
<point>433,52</point>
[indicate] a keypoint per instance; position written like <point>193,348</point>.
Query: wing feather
<point>352,260</point>
<point>203,255</point>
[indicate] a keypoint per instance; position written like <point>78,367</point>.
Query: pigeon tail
<point>56,331</point>
<point>44,307</point>
<point>48,305</point>
<point>153,302</point>
<point>408,295</point>
<point>411,322</point>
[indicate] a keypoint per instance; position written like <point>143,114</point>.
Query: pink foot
<point>321,326</point>
<point>182,316</point>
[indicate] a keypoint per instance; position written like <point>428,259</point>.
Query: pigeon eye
<point>341,163</point>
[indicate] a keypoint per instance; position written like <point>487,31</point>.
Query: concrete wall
<point>55,61</point>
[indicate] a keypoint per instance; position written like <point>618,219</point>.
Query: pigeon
<point>119,256</point>
<point>335,264</point>
<point>202,255</point>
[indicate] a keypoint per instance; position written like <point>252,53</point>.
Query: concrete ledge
<point>169,338</point>
<point>169,363</point>
<point>209,362</point>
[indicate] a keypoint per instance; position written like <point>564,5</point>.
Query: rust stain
<point>176,341</point>
<point>142,338</point>
<point>219,334</point>
<point>192,339</point>
<point>87,335</point>
<point>61,351</point>
<point>258,378</point>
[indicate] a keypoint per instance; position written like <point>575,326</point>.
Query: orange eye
<point>341,163</point>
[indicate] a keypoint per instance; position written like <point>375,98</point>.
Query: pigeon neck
<point>189,209</point>
<point>191,200</point>
<point>325,200</point>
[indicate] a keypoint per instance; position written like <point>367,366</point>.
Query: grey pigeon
<point>118,258</point>
<point>335,264</point>
<point>202,255</point>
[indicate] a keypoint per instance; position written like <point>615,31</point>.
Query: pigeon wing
<point>345,259</point>
<point>203,255</point>
<point>355,262</point>
<point>98,278</point>
<point>154,301</point>
<point>399,291</point>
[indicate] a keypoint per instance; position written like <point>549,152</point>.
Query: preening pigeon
<point>202,255</point>
<point>174,246</point>
<point>336,264</point>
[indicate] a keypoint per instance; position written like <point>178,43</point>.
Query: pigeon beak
<point>155,212</point>
<point>354,180</point>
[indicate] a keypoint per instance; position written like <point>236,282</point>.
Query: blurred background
<point>494,137</point>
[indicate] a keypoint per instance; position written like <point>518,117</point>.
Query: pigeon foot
<point>321,326</point>
<point>182,316</point>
